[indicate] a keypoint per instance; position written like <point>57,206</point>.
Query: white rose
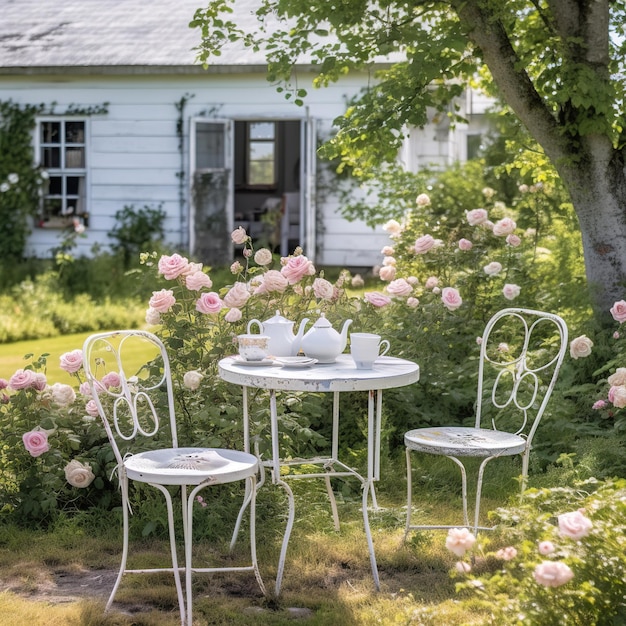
<point>78,474</point>
<point>192,379</point>
<point>62,394</point>
<point>493,268</point>
<point>580,347</point>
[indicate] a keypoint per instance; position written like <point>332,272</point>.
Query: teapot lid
<point>322,322</point>
<point>277,319</point>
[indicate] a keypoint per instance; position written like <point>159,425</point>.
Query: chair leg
<point>123,480</point>
<point>333,501</point>
<point>409,490</point>
<point>463,488</point>
<point>253,490</point>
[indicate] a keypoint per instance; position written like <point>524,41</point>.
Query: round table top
<point>342,375</point>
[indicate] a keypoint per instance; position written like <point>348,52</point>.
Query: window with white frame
<point>62,153</point>
<point>261,154</point>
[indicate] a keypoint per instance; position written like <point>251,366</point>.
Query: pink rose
<point>553,573</point>
<point>357,281</point>
<point>451,298</point>
<point>296,268</point>
<point>459,540</point>
<point>387,272</point>
<point>431,282</point>
<point>423,244</point>
<point>618,311</point>
<point>463,567</point>
<point>78,474</point>
<point>40,382</point>
<point>153,317</point>
<point>198,280</point>
<point>506,554</point>
<point>387,251</point>
<point>513,240</point>
<point>618,397</point>
<point>390,260</point>
<point>236,267</point>
<point>172,266</point>
<point>399,287</point>
<point>162,301</point>
<point>574,525</point>
<point>263,257</point>
<point>545,547</point>
<point>476,216</point>
<point>92,408</point>
<point>323,289</point>
<point>4,383</point>
<point>504,227</point>
<point>465,245</point>
<point>273,280</point>
<point>392,227</point>
<point>62,394</point>
<point>36,442</point>
<point>22,379</point>
<point>377,299</point>
<point>510,291</point>
<point>237,295</point>
<point>112,379</point>
<point>71,361</point>
<point>239,235</point>
<point>209,303</point>
<point>618,377</point>
<point>598,404</point>
<point>234,315</point>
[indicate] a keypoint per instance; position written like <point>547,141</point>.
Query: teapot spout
<point>344,334</point>
<point>295,344</point>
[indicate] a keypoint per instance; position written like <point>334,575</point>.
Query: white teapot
<point>280,331</point>
<point>323,342</point>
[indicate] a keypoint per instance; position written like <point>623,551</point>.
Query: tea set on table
<point>278,345</point>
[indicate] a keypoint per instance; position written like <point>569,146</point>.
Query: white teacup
<point>365,348</point>
<point>253,347</point>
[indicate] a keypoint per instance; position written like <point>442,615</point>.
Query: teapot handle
<point>259,325</point>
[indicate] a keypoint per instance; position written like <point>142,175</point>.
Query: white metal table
<point>342,375</point>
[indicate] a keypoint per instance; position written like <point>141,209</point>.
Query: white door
<point>308,188</point>
<point>211,193</point>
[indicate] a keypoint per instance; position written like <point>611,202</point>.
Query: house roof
<point>111,36</point>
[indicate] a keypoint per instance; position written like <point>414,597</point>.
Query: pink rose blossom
<point>618,397</point>
<point>463,567</point>
<point>296,268</point>
<point>387,273</point>
<point>198,280</point>
<point>389,260</point>
<point>239,235</point>
<point>523,188</point>
<point>237,295</point>
<point>431,282</point>
<point>40,382</point>
<point>234,315</point>
<point>580,347</point>
<point>459,540</point>
<point>273,280</point>
<point>36,442</point>
<point>492,268</point>
<point>413,280</point>
<point>504,227</point>
<point>376,298</point>
<point>247,253</point>
<point>476,217</point>
<point>479,341</point>
<point>112,379</point>
<point>22,379</point>
<point>422,200</point>
<point>323,289</point>
<point>511,291</point>
<point>209,303</point>
<point>503,347</point>
<point>616,335</point>
<point>599,404</point>
<point>162,301</point>
<point>423,244</point>
<point>618,377</point>
<point>553,573</point>
<point>92,408</point>
<point>574,525</point>
<point>263,257</point>
<point>85,389</point>
<point>392,227</point>
<point>236,267</point>
<point>62,394</point>
<point>71,361</point>
<point>513,240</point>
<point>399,287</point>
<point>618,311</point>
<point>357,281</point>
<point>545,547</point>
<point>451,298</point>
<point>465,245</point>
<point>506,554</point>
<point>412,302</point>
<point>4,383</point>
<point>387,251</point>
<point>173,266</point>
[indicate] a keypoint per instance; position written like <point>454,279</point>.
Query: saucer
<point>295,361</point>
<point>237,360</point>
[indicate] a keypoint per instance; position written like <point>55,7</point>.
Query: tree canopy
<point>558,65</point>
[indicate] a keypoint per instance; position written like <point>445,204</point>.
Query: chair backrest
<point>128,372</point>
<point>520,358</point>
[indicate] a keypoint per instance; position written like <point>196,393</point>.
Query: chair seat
<point>463,441</point>
<point>190,466</point>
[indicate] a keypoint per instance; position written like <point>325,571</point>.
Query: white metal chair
<point>520,357</point>
<point>136,408</point>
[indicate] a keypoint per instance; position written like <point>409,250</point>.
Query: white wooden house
<point>134,120</point>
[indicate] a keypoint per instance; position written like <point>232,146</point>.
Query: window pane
<point>261,151</point>
<point>50,132</point>
<point>262,130</point>
<point>55,185</point>
<point>73,185</point>
<point>51,157</point>
<point>75,132</point>
<point>75,157</point>
<point>52,207</point>
<point>209,146</point>
<point>262,173</point>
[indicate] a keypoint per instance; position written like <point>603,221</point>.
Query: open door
<point>211,211</point>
